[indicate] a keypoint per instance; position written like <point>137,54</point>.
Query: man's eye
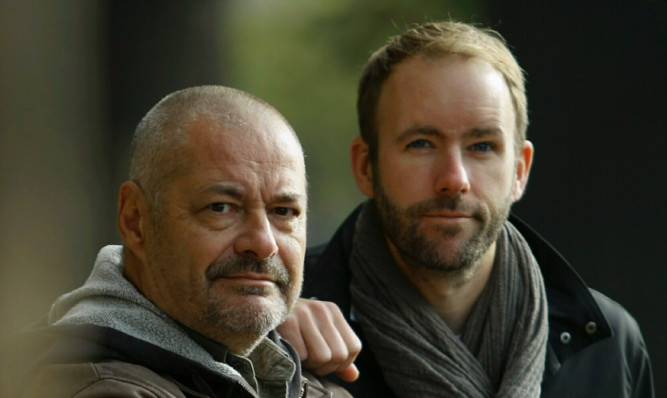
<point>421,143</point>
<point>482,147</point>
<point>220,207</point>
<point>285,211</point>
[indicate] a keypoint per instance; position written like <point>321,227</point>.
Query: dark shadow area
<point>155,48</point>
<point>596,89</point>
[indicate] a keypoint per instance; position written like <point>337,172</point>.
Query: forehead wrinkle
<point>253,155</point>
<point>262,176</point>
<point>231,190</point>
<point>289,197</point>
<point>225,189</point>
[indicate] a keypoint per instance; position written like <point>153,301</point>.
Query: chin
<point>254,314</point>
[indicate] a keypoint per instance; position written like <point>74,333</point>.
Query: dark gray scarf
<point>502,350</point>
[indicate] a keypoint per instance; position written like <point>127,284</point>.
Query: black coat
<point>595,347</point>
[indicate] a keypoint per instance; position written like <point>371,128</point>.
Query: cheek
<point>401,179</point>
<point>292,250</point>
<point>196,251</point>
<point>492,183</point>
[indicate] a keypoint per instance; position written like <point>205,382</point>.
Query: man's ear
<point>133,218</point>
<point>524,162</point>
<point>361,166</point>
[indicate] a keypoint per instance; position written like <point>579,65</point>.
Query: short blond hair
<point>434,40</point>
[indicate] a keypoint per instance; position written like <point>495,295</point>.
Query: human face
<point>447,170</point>
<point>227,253</point>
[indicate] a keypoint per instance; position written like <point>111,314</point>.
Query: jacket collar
<point>575,319</point>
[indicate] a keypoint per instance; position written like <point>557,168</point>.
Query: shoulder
<point>617,365</point>
<point>103,379</point>
<point>626,333</point>
<point>619,318</point>
<point>339,247</point>
<point>326,272</point>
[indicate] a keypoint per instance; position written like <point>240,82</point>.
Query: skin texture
<point>447,174</point>
<point>225,256</point>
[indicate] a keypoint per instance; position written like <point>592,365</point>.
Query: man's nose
<point>452,175</point>
<point>256,239</point>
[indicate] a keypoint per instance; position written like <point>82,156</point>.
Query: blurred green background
<point>77,75</point>
<point>305,57</point>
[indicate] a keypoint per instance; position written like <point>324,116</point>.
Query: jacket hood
<point>108,299</point>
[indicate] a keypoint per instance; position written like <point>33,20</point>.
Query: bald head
<point>156,144</point>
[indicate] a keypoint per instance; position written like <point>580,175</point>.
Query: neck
<point>240,344</point>
<point>219,350</point>
<point>451,296</point>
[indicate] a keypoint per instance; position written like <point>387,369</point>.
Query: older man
<point>451,296</point>
<point>213,223</point>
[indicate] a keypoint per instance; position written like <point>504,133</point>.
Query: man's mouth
<point>250,276</point>
<point>446,214</point>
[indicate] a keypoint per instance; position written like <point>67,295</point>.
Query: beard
<point>421,251</point>
<point>255,318</point>
<point>227,313</point>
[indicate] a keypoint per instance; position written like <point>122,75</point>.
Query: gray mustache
<point>272,267</point>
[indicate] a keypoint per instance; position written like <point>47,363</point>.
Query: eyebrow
<point>419,130</point>
<point>236,193</point>
<point>433,131</point>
